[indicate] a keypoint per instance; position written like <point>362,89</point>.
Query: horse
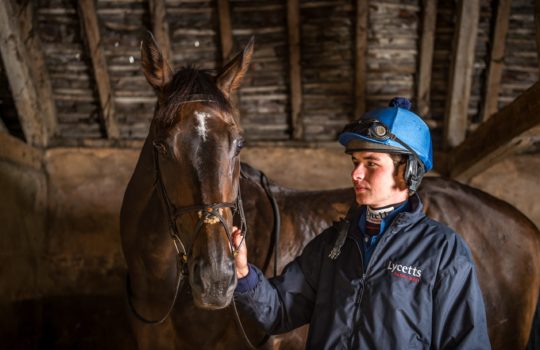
<point>189,187</point>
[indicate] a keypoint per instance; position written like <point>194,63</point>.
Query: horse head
<point>196,140</point>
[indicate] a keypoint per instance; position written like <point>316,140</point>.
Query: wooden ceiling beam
<point>160,28</point>
<point>295,74</point>
<point>506,131</point>
<point>360,57</point>
<point>225,30</point>
<point>461,71</point>
<point>36,121</point>
<point>87,13</point>
<point>496,61</point>
<point>537,25</point>
<point>39,68</point>
<point>425,63</point>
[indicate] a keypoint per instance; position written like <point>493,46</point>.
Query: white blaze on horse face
<point>201,124</point>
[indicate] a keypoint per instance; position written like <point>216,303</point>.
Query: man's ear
<point>230,76</point>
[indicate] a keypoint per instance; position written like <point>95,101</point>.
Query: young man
<point>386,278</point>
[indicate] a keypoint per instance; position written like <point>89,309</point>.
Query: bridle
<point>207,213</point>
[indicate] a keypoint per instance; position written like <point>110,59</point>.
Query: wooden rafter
<point>461,70</point>
<point>225,29</point>
<point>496,62</point>
<point>160,28</point>
<point>87,12</point>
<point>293,24</point>
<point>38,68</point>
<point>506,131</point>
<point>360,61</point>
<point>36,121</point>
<point>426,56</point>
<point>537,25</point>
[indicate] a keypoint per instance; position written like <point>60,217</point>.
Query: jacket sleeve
<point>459,318</point>
<point>286,302</point>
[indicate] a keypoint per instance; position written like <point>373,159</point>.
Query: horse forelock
<point>186,83</point>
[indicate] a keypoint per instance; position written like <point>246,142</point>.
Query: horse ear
<point>230,76</point>
<point>157,71</point>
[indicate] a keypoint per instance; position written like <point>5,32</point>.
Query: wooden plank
<point>160,28</point>
<point>22,82</point>
<point>425,63</point>
<point>537,25</point>
<point>507,130</point>
<point>225,30</point>
<point>293,24</point>
<point>496,62</point>
<point>461,70</point>
<point>87,13</point>
<point>360,60</point>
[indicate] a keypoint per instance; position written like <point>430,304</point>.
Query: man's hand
<point>240,259</point>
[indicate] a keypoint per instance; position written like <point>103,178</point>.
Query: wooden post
<point>87,12</point>
<point>461,70</point>
<point>426,57</point>
<point>225,30</point>
<point>537,24</point>
<point>22,81</point>
<point>507,130</point>
<point>360,61</point>
<point>160,27</point>
<point>496,61</point>
<point>293,23</point>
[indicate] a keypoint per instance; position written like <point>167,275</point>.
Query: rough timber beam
<point>293,24</point>
<point>225,29</point>
<point>87,13</point>
<point>505,132</point>
<point>496,62</point>
<point>37,126</point>
<point>426,56</point>
<point>160,28</point>
<point>360,51</point>
<point>537,24</point>
<point>461,70</point>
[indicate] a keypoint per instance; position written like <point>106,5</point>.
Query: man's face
<point>374,181</point>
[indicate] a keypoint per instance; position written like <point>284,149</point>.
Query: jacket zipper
<point>370,263</point>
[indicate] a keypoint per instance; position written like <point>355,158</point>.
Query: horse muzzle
<point>212,284</point>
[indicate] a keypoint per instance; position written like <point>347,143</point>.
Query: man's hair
<point>398,159</point>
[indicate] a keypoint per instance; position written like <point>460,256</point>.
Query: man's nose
<point>359,172</point>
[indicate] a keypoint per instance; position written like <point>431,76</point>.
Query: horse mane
<point>186,83</point>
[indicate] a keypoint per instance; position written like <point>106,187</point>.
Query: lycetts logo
<point>412,273</point>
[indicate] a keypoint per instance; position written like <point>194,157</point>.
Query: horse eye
<point>239,145</point>
<point>160,147</point>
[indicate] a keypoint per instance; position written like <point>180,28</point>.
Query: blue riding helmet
<point>391,129</point>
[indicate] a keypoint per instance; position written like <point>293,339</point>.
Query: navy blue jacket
<point>419,290</point>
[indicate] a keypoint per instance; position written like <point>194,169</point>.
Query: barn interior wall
<point>22,214</point>
<point>60,246</point>
<point>77,251</point>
